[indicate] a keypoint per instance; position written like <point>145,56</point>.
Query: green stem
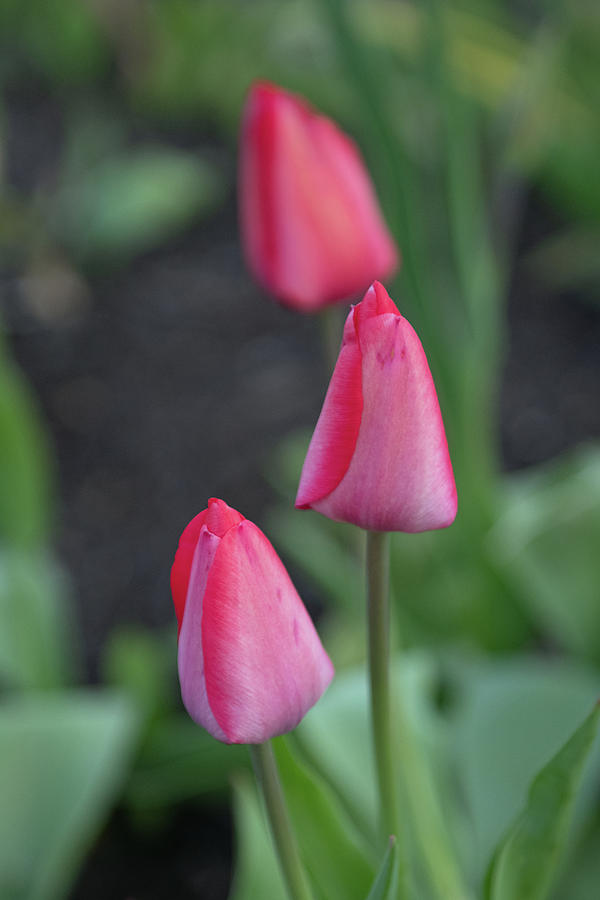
<point>265,769</point>
<point>378,608</point>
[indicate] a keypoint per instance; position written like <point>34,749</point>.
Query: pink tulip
<point>250,661</point>
<point>311,226</point>
<point>378,457</point>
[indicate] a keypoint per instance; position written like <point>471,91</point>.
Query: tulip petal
<point>190,656</point>
<point>263,661</point>
<point>311,226</point>
<point>182,566</point>
<point>400,476</point>
<point>218,517</point>
<point>336,432</point>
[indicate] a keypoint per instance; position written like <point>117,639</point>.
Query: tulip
<point>250,661</point>
<point>379,457</point>
<point>312,230</point>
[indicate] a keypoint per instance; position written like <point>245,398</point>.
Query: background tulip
<point>311,226</point>
<point>379,457</point>
<point>250,661</point>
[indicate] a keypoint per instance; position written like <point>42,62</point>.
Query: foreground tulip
<point>250,661</point>
<point>378,457</point>
<point>311,227</point>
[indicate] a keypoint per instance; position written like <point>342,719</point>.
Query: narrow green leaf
<point>25,476</point>
<point>384,885</point>
<point>257,871</point>
<point>333,855</point>
<point>524,865</point>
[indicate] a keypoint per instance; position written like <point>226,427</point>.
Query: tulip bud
<point>311,226</point>
<point>250,661</point>
<point>378,457</point>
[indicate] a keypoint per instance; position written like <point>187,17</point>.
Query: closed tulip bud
<point>250,661</point>
<point>379,457</point>
<point>311,226</point>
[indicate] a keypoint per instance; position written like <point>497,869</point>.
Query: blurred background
<point>141,372</point>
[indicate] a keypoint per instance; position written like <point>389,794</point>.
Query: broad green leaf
<point>548,537</point>
<point>37,646</point>
<point>179,761</point>
<point>508,717</point>
<point>332,851</point>
<point>335,738</point>
<point>132,201</point>
<point>63,759</point>
<point>256,873</point>
<point>384,884</point>
<point>524,865</point>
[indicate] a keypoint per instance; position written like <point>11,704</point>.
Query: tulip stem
<point>267,776</point>
<point>378,610</point>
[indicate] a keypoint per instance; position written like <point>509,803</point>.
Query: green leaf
<point>25,482</point>
<point>332,852</point>
<point>257,871</point>
<point>132,201</point>
<point>508,717</point>
<point>63,758</point>
<point>384,885</point>
<point>36,639</point>
<point>179,761</point>
<point>548,538</point>
<point>524,865</point>
<point>142,662</point>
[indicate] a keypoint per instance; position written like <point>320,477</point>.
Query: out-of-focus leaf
<point>25,491</point>
<point>256,868</point>
<point>36,641</point>
<point>581,879</point>
<point>63,758</point>
<point>548,537</point>
<point>524,865</point>
<point>384,887</point>
<point>510,716</point>
<point>333,855</point>
<point>335,737</point>
<point>143,663</point>
<point>130,202</point>
<point>179,761</point>
<point>59,38</point>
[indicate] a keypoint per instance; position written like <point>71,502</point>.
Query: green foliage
<point>131,201</point>
<point>525,863</point>
<point>256,871</point>
<point>36,643</point>
<point>25,490</point>
<point>63,758</point>
<point>507,719</point>
<point>384,886</point>
<point>61,39</point>
<point>332,851</point>
<point>548,538</point>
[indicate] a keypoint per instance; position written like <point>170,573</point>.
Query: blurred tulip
<point>311,226</point>
<point>379,457</point>
<point>250,661</point>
